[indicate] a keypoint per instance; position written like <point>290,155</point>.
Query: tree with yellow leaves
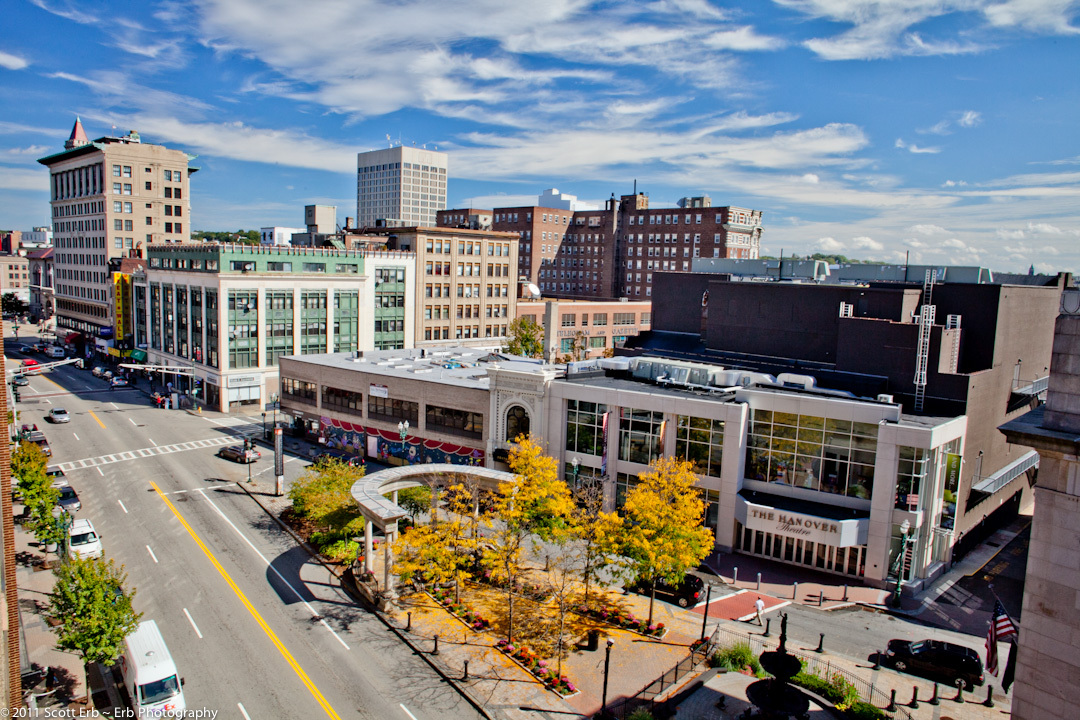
<point>597,535</point>
<point>440,552</point>
<point>535,504</point>
<point>664,535</point>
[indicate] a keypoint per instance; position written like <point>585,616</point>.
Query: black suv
<point>685,594</point>
<point>937,660</point>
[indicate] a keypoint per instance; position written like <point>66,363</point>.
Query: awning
<point>837,526</point>
<point>139,355</point>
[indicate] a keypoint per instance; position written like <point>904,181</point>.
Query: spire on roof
<point>78,136</point>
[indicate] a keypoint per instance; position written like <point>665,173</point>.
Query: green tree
<point>664,537</point>
<point>28,460</point>
<point>10,303</point>
<point>92,610</point>
<point>39,497</point>
<point>323,495</point>
<point>415,500</point>
<point>535,504</point>
<point>524,337</point>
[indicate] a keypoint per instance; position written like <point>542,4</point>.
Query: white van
<point>156,689</point>
<point>55,351</point>
<point>83,540</point>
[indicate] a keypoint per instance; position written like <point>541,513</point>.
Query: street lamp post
<point>607,665</point>
<point>577,467</point>
<point>904,528</point>
<point>264,424</point>
<point>403,431</point>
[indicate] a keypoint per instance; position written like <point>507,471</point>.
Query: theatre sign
<point>838,533</point>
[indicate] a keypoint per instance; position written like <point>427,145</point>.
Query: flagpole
<point>998,599</point>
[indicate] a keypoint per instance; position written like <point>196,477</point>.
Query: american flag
<point>1001,628</point>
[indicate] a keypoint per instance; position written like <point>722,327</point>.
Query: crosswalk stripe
<point>147,452</point>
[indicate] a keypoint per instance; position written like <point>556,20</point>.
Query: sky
<point>943,131</point>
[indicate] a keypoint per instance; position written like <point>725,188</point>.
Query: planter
<point>616,618</point>
<point>527,660</point>
<point>469,618</point>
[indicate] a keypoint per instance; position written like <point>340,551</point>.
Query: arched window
<point>517,423</point>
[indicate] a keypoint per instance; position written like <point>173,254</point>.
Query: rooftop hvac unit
<point>885,399</point>
<point>806,382</point>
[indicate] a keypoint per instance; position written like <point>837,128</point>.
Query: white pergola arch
<point>369,492</point>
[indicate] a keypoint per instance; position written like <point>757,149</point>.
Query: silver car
<point>58,415</point>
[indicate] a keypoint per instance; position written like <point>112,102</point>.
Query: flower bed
<point>529,660</point>
<point>470,617</point>
<point>623,619</point>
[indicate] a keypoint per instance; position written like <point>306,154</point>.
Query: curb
<point>381,616</point>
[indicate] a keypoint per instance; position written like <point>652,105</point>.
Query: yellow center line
<point>96,418</point>
<point>251,609</point>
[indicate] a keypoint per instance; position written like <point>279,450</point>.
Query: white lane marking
<point>76,436</point>
<point>193,625</point>
<point>114,406</point>
<point>263,558</point>
<point>151,553</point>
<point>407,711</point>
<point>243,711</point>
<point>132,422</point>
<point>121,503</point>
<point>102,474</point>
<point>146,452</point>
<point>152,441</point>
<point>48,401</point>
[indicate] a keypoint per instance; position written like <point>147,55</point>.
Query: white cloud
<point>913,148</point>
<point>1044,229</point>
<point>955,244</point>
<point>927,229</point>
<point>742,39</point>
<point>829,245</point>
<point>969,118</point>
<point>866,243</point>
<point>965,119</point>
<point>23,179</point>
<point>12,62</point>
<point>811,178</point>
<point>67,12</point>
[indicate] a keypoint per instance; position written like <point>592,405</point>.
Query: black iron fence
<point>647,696</point>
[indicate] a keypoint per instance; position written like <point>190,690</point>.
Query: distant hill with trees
<point>245,237</point>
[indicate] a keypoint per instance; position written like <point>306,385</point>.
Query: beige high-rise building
<point>110,198</point>
<point>400,186</point>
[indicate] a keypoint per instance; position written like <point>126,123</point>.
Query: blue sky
<point>946,129</point>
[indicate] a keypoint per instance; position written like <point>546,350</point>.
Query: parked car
<point>37,437</point>
<point>936,660</point>
<point>83,540</point>
<point>118,382</point>
<point>98,371</point>
<point>331,456</point>
<point>69,499</point>
<point>685,594</point>
<point>54,472</point>
<point>237,453</point>
<point>58,415</point>
<point>20,380</point>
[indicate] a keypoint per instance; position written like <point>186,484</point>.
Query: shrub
<point>340,550</point>
<point>640,714</point>
<point>864,711</point>
<point>737,657</point>
<point>836,689</point>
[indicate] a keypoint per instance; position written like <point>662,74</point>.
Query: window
<point>599,319</point>
<point>823,454</point>
<point>279,266</point>
<point>910,475</point>
<point>314,267</point>
<point>623,319</point>
<point>299,389</point>
<point>569,320</point>
<point>168,174</point>
<point>640,435</point>
<point>701,441</point>
<point>344,401</point>
<point>149,185</point>
<point>517,423</point>
<point>127,171</point>
<point>127,188</point>
<point>584,427</point>
<point>392,410</point>
<point>454,422</point>
<point>168,190</point>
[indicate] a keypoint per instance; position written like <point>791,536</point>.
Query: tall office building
<point>110,198</point>
<point>400,186</point>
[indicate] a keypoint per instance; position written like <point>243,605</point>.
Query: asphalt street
<point>257,629</point>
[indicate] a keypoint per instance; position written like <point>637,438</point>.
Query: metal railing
<point>812,664</point>
<point>647,696</point>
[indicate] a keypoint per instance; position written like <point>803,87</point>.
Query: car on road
<point>118,382</point>
<point>54,472</point>
<point>237,453</point>
<point>58,415</point>
<point>685,594</point>
<point>69,499</point>
<point>39,347</point>
<point>55,351</point>
<point>20,380</point>
<point>26,349</point>
<point>30,363</point>
<point>936,660</point>
<point>98,371</point>
<point>329,457</point>
<point>83,540</point>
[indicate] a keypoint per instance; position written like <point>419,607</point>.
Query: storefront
<point>831,540</point>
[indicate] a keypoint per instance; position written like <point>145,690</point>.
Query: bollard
<point>408,623</point>
<point>959,691</point>
<point>933,698</point>
<point>989,696</point>
<point>735,576</point>
<point>436,650</point>
<point>877,660</point>
<point>466,675</point>
<point>768,622</point>
<point>892,702</point>
<point>845,593</point>
<point>759,582</point>
<point>914,697</point>
<point>821,643</point>
<point>795,591</point>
